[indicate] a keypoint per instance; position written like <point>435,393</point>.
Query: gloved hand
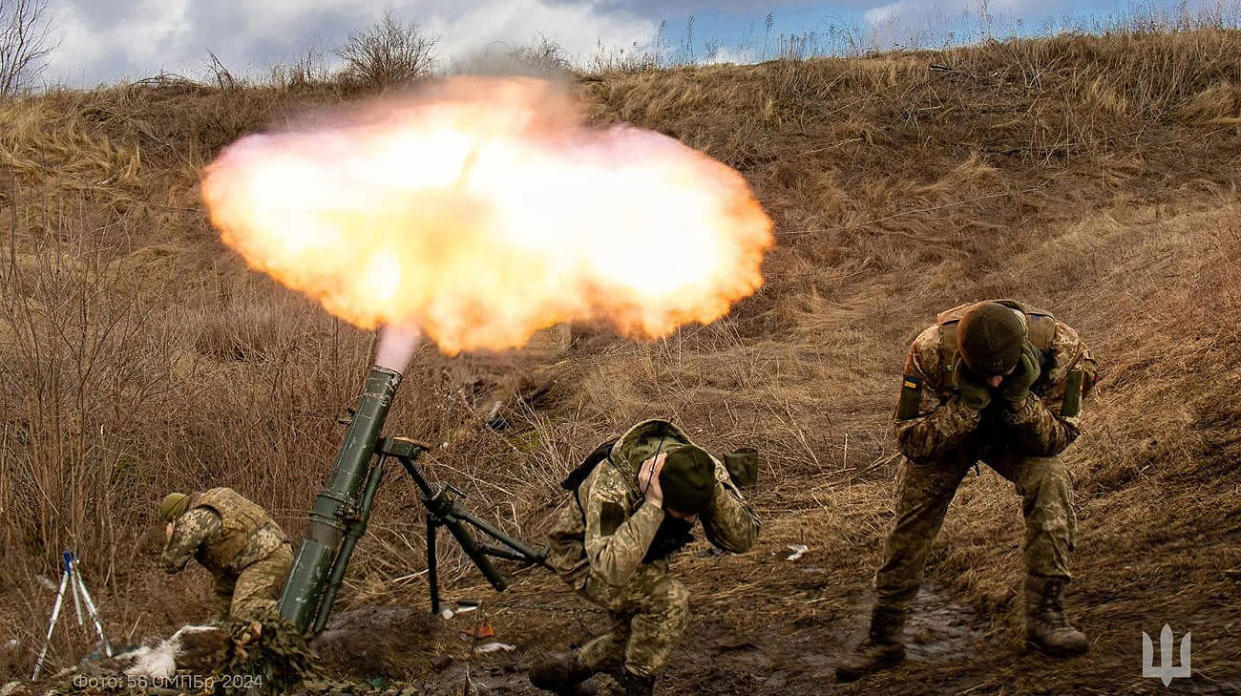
<point>972,390</point>
<point>1016,387</point>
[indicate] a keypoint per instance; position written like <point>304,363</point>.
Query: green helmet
<point>173,505</point>
<point>989,338</point>
<point>687,479</point>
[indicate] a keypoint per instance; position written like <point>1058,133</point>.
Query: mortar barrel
<point>337,503</point>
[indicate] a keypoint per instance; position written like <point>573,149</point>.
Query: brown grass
<point>1095,176</point>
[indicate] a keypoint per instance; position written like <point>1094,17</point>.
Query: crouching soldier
<point>998,382</point>
<point>635,502</point>
<point>236,540</point>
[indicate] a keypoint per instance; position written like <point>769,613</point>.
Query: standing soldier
<point>1001,382</point>
<point>236,540</point>
<point>635,502</point>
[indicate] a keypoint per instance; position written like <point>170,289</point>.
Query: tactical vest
<point>1042,329</point>
<point>239,519</point>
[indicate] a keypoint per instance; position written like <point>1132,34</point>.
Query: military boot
<point>1046,627</point>
<point>561,673</point>
<point>882,649</point>
<point>636,685</point>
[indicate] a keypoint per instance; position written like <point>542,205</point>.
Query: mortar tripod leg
<point>432,570</point>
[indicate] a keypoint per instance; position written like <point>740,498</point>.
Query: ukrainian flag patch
<point>911,398</point>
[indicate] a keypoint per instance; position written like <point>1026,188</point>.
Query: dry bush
<point>389,54</point>
<point>633,59</point>
<point>307,72</point>
<point>25,43</point>
<point>543,58</point>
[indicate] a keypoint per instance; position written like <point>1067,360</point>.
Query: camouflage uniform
<point>245,550</point>
<point>941,439</point>
<point>599,543</point>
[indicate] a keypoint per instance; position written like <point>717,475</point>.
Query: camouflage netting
<point>269,652</point>
<point>255,658</point>
<point>266,655</point>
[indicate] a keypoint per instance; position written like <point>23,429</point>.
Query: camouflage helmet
<point>989,338</point>
<point>687,479</point>
<point>173,505</point>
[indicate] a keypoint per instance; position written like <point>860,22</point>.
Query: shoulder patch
<point>911,398</point>
<point>1072,404</point>
<point>611,517</point>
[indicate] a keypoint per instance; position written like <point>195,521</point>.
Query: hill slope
<point>1092,176</point>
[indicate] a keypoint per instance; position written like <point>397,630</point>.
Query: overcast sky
<point>106,41</point>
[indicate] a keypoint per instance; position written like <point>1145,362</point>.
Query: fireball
<point>481,210</point>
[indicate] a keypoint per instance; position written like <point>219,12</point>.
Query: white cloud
<point>578,28</point>
<point>113,40</point>
<point>932,23</point>
<point>879,15</point>
<point>87,44</point>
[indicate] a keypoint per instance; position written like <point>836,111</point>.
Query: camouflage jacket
<point>224,531</point>
<point>932,423</point>
<point>606,531</point>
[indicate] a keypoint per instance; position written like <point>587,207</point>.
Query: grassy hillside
<point>1096,177</point>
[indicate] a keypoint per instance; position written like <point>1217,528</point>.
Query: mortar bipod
<point>443,509</point>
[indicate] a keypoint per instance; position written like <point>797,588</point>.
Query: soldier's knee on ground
<point>606,653</point>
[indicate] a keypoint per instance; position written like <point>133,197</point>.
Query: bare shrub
<point>389,53</point>
<point>221,76</point>
<point>309,70</point>
<point>25,43</point>
<point>544,57</point>
<point>621,60</point>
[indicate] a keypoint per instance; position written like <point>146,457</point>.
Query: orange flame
<point>483,210</point>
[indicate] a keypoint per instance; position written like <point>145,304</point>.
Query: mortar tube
<point>338,503</point>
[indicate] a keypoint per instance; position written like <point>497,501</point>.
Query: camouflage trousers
<point>926,489</point>
<point>648,615</point>
<point>256,587</point>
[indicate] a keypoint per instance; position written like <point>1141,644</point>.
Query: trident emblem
<point>1165,671</point>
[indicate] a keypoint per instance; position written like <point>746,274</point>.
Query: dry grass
<point>1095,176</point>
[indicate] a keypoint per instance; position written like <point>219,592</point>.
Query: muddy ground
<point>742,650</point>
<point>721,655</point>
<point>718,656</point>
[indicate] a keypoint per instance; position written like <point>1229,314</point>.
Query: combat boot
<point>1046,627</point>
<point>636,684</point>
<point>561,673</point>
<point>882,649</point>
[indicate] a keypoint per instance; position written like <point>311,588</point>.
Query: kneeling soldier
<point>636,501</point>
<point>1000,382</point>
<point>236,540</point>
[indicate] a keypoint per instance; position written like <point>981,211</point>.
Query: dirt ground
<point>723,653</point>
<point>720,655</point>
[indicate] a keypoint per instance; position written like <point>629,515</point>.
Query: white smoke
<point>396,347</point>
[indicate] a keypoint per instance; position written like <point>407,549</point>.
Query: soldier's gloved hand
<point>972,390</point>
<point>1015,388</point>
